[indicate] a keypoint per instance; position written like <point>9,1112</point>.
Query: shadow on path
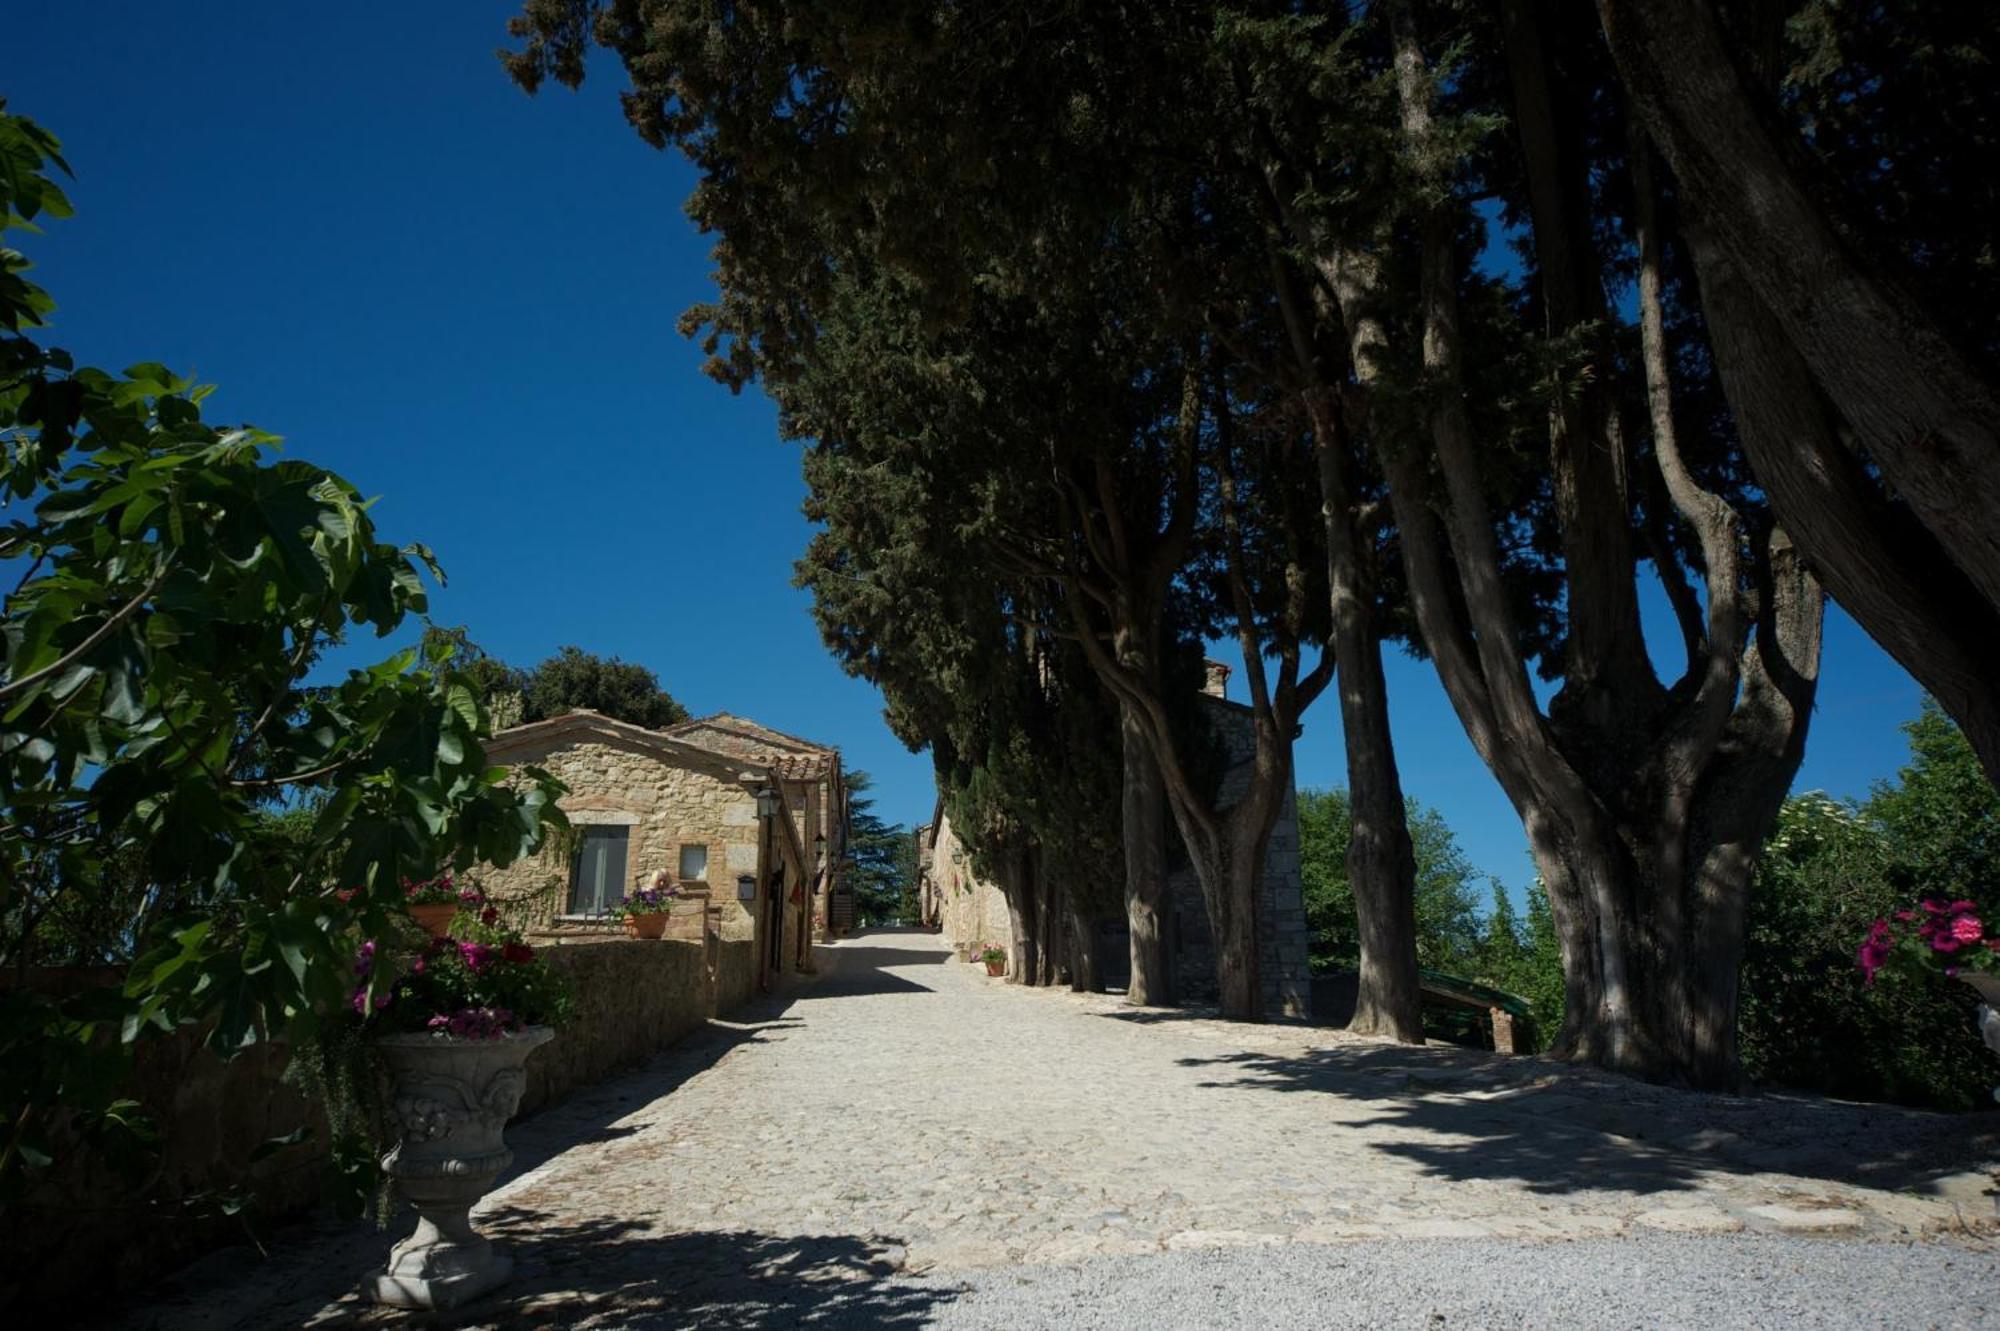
<point>1553,1129</point>
<point>637,1278</point>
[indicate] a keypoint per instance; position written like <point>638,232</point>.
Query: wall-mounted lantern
<point>746,887</point>
<point>768,803</point>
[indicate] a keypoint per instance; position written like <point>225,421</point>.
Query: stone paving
<point>906,1113</point>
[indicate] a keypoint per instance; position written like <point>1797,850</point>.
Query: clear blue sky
<point>464,300</point>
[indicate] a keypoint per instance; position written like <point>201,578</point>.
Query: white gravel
<point>1713,1284</point>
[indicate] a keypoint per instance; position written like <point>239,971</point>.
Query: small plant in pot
<point>432,902</point>
<point>995,958</point>
<point>453,1026</point>
<point>647,909</point>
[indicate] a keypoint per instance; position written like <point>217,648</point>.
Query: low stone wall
<point>735,975</point>
<point>633,998</point>
<point>83,1225</point>
<point>79,1229</point>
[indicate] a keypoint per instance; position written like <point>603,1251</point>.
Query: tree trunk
<point>1234,865</point>
<point>1052,926</point>
<point>1084,975</point>
<point>1381,865</point>
<point>1644,824</point>
<point>1147,910</point>
<point>1023,961</point>
<point>1922,573</point>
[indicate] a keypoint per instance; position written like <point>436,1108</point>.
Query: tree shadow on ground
<point>635,1277</point>
<point>1555,1128</point>
<point>850,972</point>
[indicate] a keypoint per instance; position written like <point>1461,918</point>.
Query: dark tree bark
<point>1148,912</point>
<point>1381,863</point>
<point>1809,332</point>
<point>1644,807</point>
<point>1085,976</point>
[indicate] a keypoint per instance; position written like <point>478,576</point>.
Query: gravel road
<point>1714,1284</point>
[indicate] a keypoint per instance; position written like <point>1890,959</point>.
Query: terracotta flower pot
<point>996,968</point>
<point>451,1100</point>
<point>653,924</point>
<point>434,919</point>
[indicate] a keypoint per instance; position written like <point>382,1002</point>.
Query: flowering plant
<point>439,891</point>
<point>992,953</point>
<point>1932,936</point>
<point>654,900</point>
<point>480,982</point>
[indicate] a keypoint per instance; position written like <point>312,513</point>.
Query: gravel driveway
<point>858,1149</point>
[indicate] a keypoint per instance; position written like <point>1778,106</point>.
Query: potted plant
<point>995,958</point>
<point>434,901</point>
<point>646,910</point>
<point>458,1023</point>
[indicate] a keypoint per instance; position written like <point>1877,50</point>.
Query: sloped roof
<point>585,723</point>
<point>729,722</point>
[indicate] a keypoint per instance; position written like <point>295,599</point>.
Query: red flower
<point>518,953</point>
<point>490,915</point>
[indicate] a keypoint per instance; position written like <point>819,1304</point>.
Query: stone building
<point>750,820</point>
<point>971,910</point>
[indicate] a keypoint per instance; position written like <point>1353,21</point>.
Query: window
<point>694,864</point>
<point>597,881</point>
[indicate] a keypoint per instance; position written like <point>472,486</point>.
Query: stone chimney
<point>1215,679</point>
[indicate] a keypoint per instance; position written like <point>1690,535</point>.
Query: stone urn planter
<point>1988,987</point>
<point>433,920</point>
<point>450,1100</point>
<point>653,924</point>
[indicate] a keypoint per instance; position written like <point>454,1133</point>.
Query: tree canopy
<point>161,747</point>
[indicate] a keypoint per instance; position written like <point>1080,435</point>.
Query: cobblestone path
<point>904,1112</point>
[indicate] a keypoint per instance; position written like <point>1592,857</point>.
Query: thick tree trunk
<point>1644,822</point>
<point>1024,960</point>
<point>1147,910</point>
<point>1809,310</point>
<point>1084,974</point>
<point>1052,921</point>
<point>1236,873</point>
<point>1888,571</point>
<point>1381,865</point>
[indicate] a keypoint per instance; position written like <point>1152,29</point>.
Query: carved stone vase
<point>1989,1008</point>
<point>450,1099</point>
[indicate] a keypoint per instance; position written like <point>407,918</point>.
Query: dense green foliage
<point>162,758</point>
<point>571,679</point>
<point>1447,898</point>
<point>1809,1019</point>
<point>1494,946</point>
<point>574,678</point>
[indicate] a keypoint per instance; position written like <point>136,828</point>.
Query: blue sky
<point>464,299</point>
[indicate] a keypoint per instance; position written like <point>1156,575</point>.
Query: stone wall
<point>633,999</point>
<point>970,908</point>
<point>1283,968</point>
<point>735,974</point>
<point>666,807</point>
<point>80,1229</point>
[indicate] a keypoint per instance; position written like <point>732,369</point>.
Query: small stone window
<point>597,878</point>
<point>694,864</point>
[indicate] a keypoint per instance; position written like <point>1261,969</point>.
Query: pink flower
<point>1961,907</point>
<point>1967,929</point>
